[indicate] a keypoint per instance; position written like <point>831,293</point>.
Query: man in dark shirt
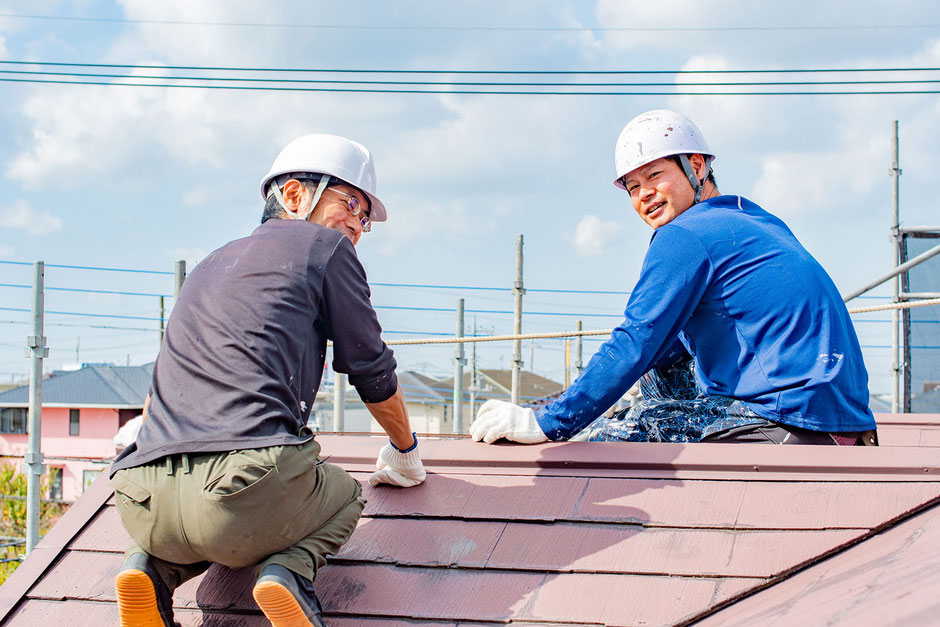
<point>224,469</point>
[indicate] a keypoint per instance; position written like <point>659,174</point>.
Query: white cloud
<point>22,215</point>
<point>6,251</point>
<point>593,235</point>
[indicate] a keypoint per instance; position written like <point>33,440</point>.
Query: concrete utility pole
<point>36,351</point>
<point>518,291</point>
<point>162,318</point>
<point>577,352</point>
<point>896,240</point>
<point>473,373</point>
<point>459,361</point>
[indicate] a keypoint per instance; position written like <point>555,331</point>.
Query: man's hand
<point>401,468</point>
<point>499,419</point>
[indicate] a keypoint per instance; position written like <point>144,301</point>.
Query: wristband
<point>410,448</point>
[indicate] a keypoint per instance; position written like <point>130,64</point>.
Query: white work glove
<point>499,419</point>
<point>404,470</point>
<point>127,434</point>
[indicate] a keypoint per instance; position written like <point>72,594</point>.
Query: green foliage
<point>13,524</point>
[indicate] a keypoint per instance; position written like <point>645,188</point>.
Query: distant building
<point>82,411</point>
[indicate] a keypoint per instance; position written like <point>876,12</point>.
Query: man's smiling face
<point>660,191</point>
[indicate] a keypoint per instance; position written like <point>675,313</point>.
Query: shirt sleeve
<point>674,276</point>
<point>358,349</point>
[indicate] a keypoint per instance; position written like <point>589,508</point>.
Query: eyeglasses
<point>355,209</point>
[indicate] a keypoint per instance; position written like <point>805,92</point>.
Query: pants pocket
<point>238,480</point>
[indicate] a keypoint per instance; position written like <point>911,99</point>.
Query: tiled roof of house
<point>96,385</point>
<point>498,383</point>
<point>418,388</point>
<point>577,533</point>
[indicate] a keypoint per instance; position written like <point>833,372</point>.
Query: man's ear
<point>698,165</point>
<point>293,193</point>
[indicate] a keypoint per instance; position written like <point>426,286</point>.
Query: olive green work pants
<point>274,505</point>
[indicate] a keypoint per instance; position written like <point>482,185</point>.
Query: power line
<point>468,83</point>
<point>464,92</point>
<point>455,71</point>
<point>389,27</point>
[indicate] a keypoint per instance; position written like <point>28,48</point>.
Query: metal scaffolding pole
<point>459,361</point>
<point>517,291</point>
<point>36,351</point>
<point>179,275</point>
<point>896,240</point>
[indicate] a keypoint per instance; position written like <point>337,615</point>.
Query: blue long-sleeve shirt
<point>762,319</point>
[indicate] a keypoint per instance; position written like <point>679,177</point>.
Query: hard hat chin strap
<point>697,185</point>
<point>318,192</point>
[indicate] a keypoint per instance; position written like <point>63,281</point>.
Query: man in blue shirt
<point>734,330</point>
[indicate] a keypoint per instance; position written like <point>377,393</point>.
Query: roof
<point>418,388</point>
<point>498,384</point>
<point>576,533</point>
<point>95,385</point>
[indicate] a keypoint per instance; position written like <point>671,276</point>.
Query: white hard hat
<point>336,156</point>
<point>653,135</point>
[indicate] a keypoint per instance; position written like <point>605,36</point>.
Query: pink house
<point>82,411</point>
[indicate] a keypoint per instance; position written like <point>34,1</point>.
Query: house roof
<point>94,385</point>
<point>498,384</point>
<point>418,388</point>
<point>575,533</point>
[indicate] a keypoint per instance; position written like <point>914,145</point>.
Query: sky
<point>138,177</point>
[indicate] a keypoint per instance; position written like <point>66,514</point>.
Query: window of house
<point>73,422</point>
<point>55,483</point>
<point>88,478</point>
<point>13,420</point>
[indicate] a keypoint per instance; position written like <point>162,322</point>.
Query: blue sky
<point>127,177</point>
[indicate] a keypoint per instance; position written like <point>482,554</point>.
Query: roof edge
<point>79,514</point>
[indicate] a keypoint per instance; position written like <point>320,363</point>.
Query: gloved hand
<point>400,468</point>
<point>499,419</point>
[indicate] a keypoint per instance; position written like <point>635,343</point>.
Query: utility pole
<point>459,361</point>
<point>896,241</point>
<point>577,352</point>
<point>161,320</point>
<point>518,291</point>
<point>36,351</point>
<point>567,363</point>
<point>473,372</point>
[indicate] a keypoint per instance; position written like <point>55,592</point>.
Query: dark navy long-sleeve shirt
<point>245,345</point>
<point>762,319</point>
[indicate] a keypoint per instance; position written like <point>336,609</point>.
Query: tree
<point>13,524</point>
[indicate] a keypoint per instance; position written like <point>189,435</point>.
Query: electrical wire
<point>469,72</point>
<point>392,27</point>
<point>308,81</point>
<point>465,92</point>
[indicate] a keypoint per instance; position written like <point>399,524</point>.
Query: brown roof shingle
<point>570,533</point>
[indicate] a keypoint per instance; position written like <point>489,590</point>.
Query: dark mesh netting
<point>673,410</point>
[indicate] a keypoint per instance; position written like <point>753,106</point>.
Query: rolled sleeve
<point>358,349</point>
